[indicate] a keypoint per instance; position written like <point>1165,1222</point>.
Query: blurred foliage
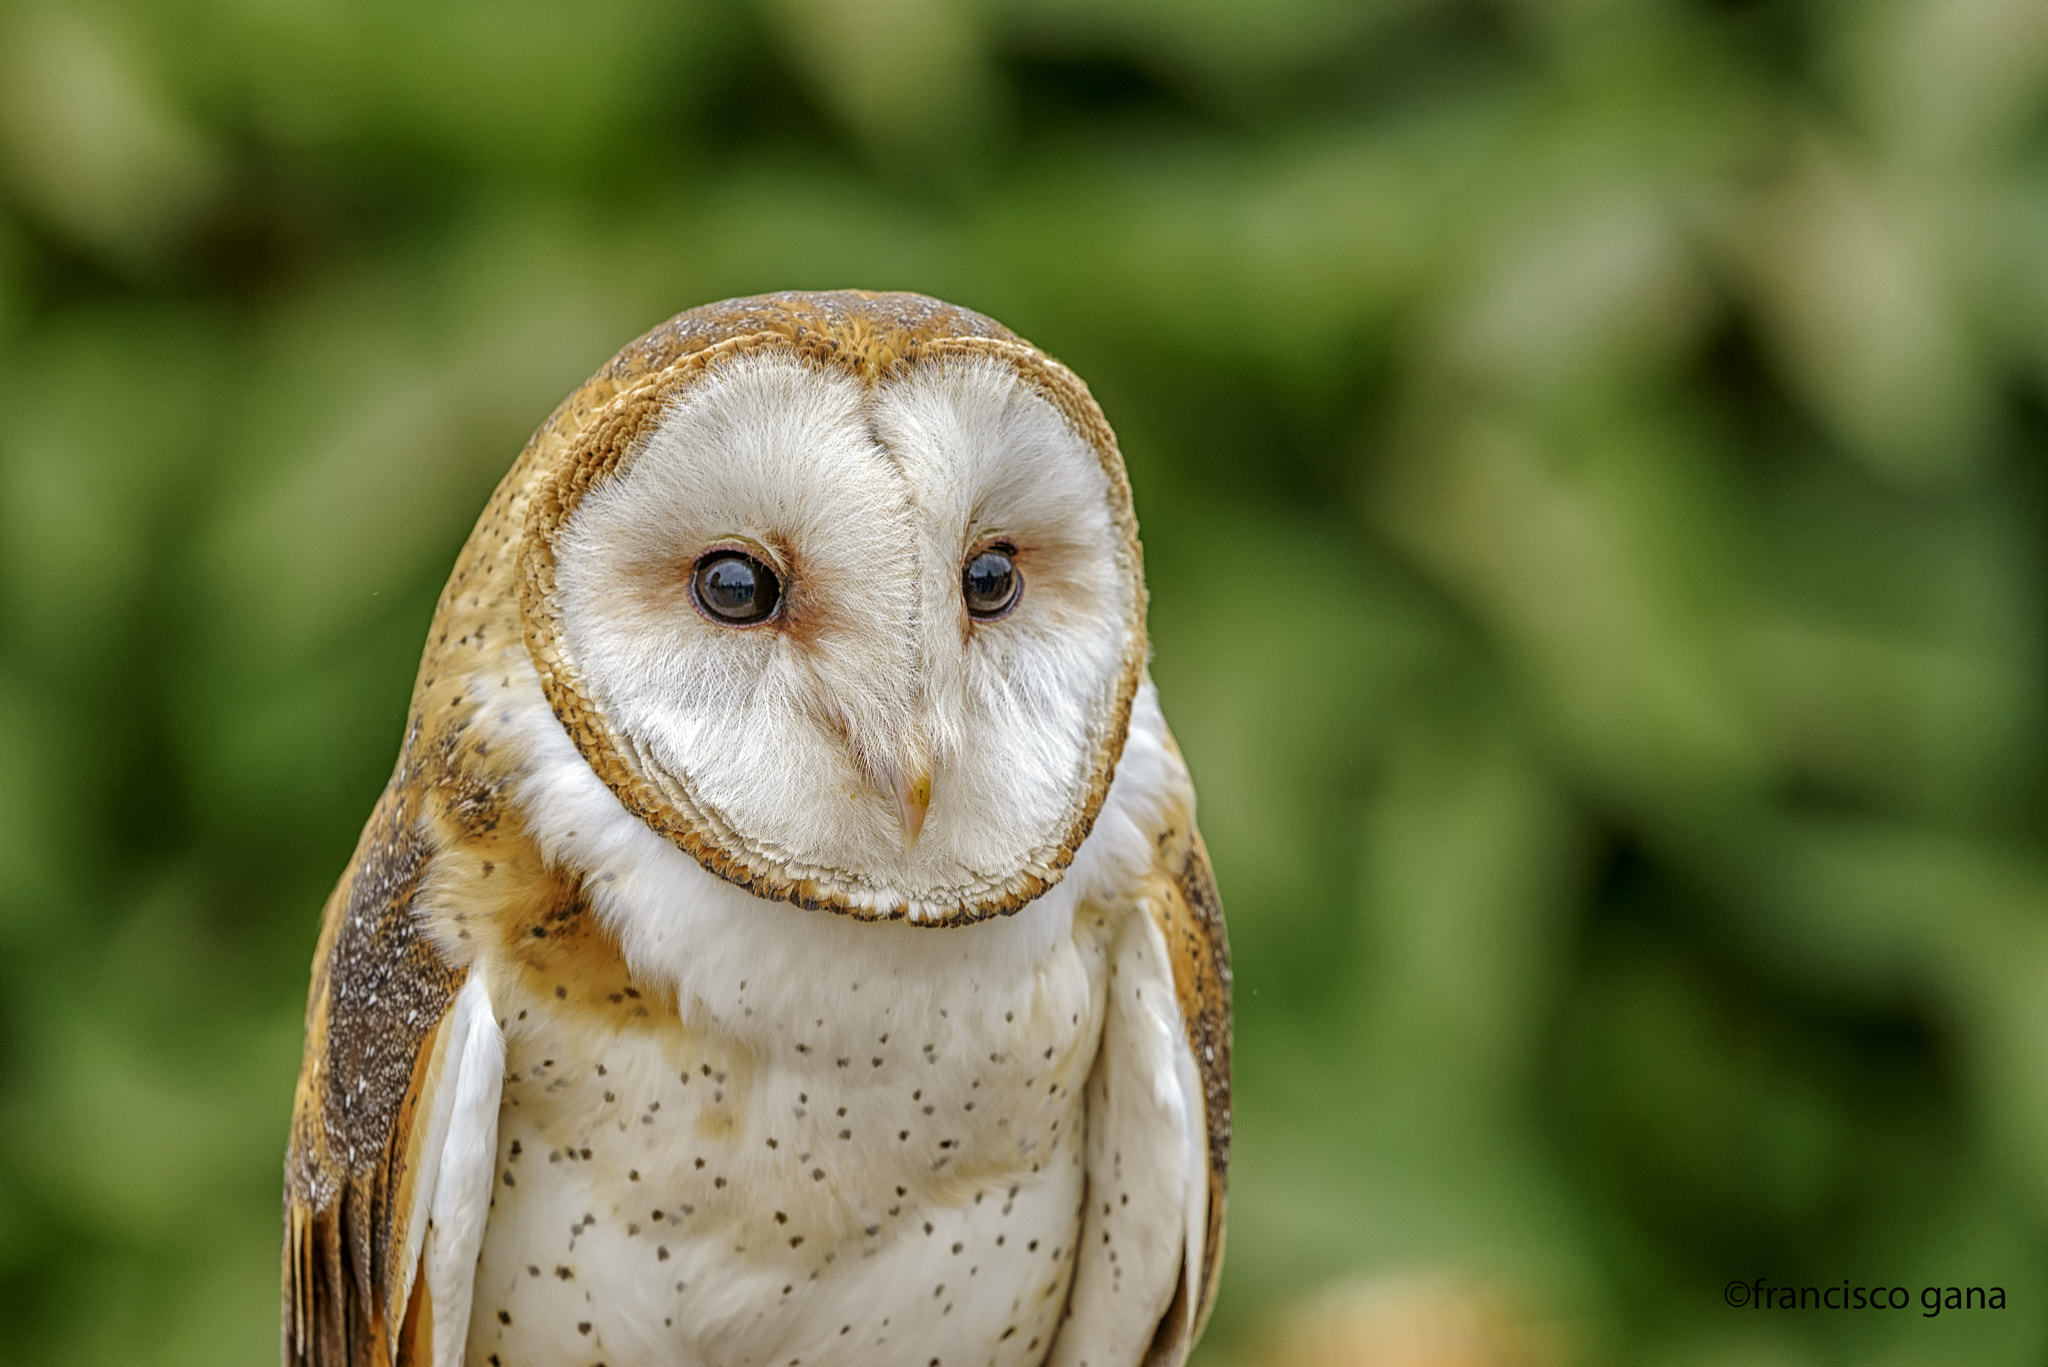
<point>1590,459</point>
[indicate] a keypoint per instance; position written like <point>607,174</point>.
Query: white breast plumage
<point>851,1122</point>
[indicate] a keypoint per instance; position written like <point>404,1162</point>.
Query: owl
<point>785,940</point>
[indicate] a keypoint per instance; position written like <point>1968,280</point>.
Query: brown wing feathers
<point>1191,916</point>
<point>380,991</point>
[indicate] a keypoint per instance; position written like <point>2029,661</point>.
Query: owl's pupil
<point>736,588</point>
<point>990,583</point>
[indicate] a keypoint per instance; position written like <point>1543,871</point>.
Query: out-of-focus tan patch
<point>1432,1319</point>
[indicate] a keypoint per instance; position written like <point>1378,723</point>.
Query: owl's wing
<point>1158,1127</point>
<point>394,1126</point>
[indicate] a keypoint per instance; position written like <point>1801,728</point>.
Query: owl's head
<point>841,593</point>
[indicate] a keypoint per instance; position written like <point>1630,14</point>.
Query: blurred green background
<point>1590,457</point>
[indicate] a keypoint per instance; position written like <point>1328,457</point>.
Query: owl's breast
<point>905,1181</point>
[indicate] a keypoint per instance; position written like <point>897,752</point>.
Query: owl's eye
<point>991,583</point>
<point>736,589</point>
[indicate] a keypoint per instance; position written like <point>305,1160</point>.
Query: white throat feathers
<point>749,965</point>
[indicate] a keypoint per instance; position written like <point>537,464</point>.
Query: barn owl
<point>785,939</point>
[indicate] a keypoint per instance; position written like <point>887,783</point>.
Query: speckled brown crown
<point>600,428</point>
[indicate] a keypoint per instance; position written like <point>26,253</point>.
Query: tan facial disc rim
<point>666,803</point>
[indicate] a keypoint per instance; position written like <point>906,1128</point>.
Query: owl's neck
<point>754,968</point>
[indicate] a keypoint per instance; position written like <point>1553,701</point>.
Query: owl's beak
<point>913,800</point>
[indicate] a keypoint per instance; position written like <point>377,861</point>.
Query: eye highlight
<point>734,589</point>
<point>990,583</point>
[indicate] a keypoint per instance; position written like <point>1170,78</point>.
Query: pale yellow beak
<point>913,800</point>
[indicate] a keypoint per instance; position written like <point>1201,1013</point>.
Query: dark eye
<point>991,583</point>
<point>736,588</point>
